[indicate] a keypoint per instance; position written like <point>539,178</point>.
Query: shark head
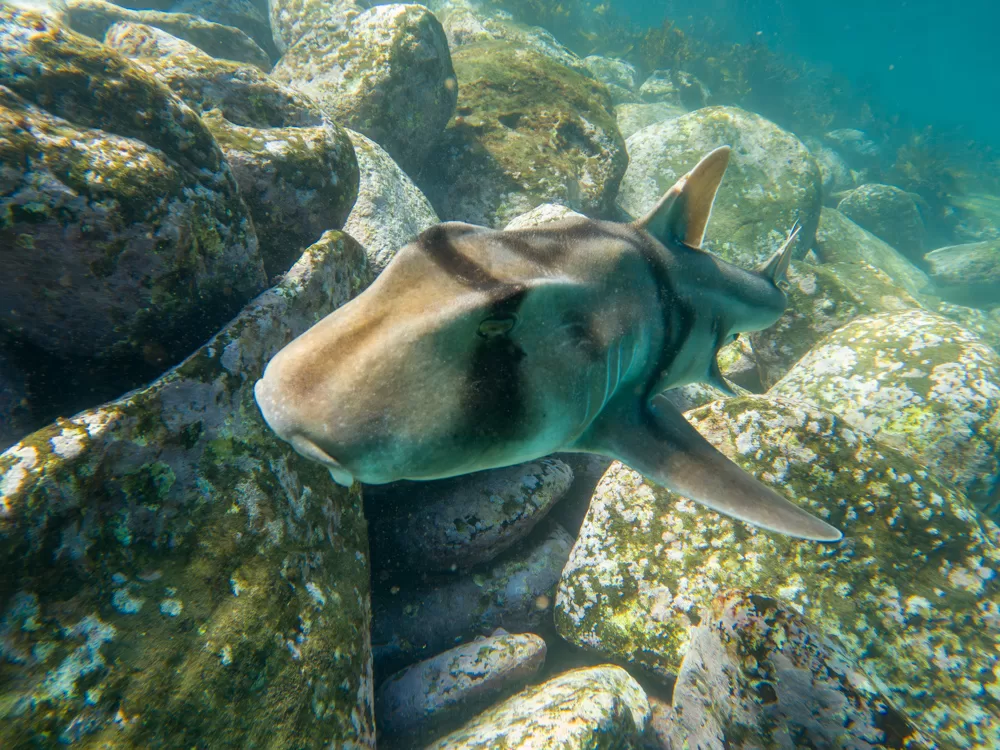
<point>476,349</point>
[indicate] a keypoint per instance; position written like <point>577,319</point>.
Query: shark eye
<point>497,326</point>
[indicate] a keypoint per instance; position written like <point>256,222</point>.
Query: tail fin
<point>776,266</point>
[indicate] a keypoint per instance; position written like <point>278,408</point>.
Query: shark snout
<point>284,422</point>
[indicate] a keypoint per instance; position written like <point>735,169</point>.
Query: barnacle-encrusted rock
<point>175,575</point>
<point>527,130</point>
<point>240,14</point>
<point>243,94</point>
<point>967,274</point>
<point>821,299</point>
<point>293,19</point>
<point>297,182</point>
<point>759,675</point>
<point>461,522</point>
<point>586,708</point>
<point>425,700</point>
<point>415,620</point>
<point>840,240</point>
<point>911,592</point>
<point>890,214</point>
<point>772,179</point>
<point>633,117</point>
<point>390,210</point>
<point>126,236</point>
<point>95,17</point>
<point>918,382</point>
<point>387,73</point>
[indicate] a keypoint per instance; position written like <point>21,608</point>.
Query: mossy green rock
<point>967,274</point>
<point>387,73</point>
<point>889,213</point>
<point>240,14</point>
<point>772,179</point>
<point>918,382</point>
<point>95,17</point>
<point>821,299</point>
<point>911,591</point>
<point>293,19</point>
<point>527,131</point>
<point>176,576</point>
<point>125,235</point>
<point>759,675</point>
<point>243,94</point>
<point>585,709</point>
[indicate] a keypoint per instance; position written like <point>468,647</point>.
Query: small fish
<point>477,348</point>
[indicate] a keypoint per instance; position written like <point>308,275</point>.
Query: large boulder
<point>889,213</point>
<point>967,274</point>
<point>634,116</point>
<point>617,74</point>
<point>771,183</point>
<point>387,73</point>
<point>579,710</point>
<point>127,239</point>
<point>293,19</point>
<point>390,210</point>
<point>241,14</point>
<point>527,130</point>
<point>918,382</point>
<point>174,573</point>
<point>910,592</point>
<point>94,17</point>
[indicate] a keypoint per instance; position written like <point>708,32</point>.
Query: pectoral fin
<point>718,380</point>
<point>663,446</point>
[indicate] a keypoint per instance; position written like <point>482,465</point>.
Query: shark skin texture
<point>478,348</point>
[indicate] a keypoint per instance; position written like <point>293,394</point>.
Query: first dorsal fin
<point>682,213</point>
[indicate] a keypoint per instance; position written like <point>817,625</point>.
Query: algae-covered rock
<point>633,117</point>
<point>416,620</point>
<point>772,179</point>
<point>967,274</point>
<point>461,522</point>
<point>176,575</point>
<point>390,210</point>
<point>243,94</point>
<point>759,675</point>
<point>387,73</point>
<point>833,170</point>
<point>427,699</point>
<point>240,14</point>
<point>918,382</point>
<point>127,240</point>
<point>293,19</point>
<point>586,708</point>
<point>910,592</point>
<point>527,130</point>
<point>297,182</point>
<point>821,299</point>
<point>890,214</point>
<point>94,17</point>
<point>840,240</point>
<point>617,74</point>
<point>674,87</point>
<point>547,213</point>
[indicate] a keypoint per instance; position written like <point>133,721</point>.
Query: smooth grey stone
<point>967,274</point>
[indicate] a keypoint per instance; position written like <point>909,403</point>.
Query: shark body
<point>478,348</point>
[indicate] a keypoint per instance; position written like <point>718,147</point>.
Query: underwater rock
<point>967,274</point>
<point>583,709</point>
<point>526,131</point>
<point>910,592</point>
<point>293,19</point>
<point>821,299</point>
<point>547,213</point>
<point>129,241</point>
<point>386,73</point>
<point>464,521</point>
<point>177,576</point>
<point>758,675</point>
<point>414,621</point>
<point>772,179</point>
<point>244,94</point>
<point>429,698</point>
<point>840,240</point>
<point>14,416</point>
<point>833,170</point>
<point>239,14</point>
<point>983,323</point>
<point>390,210</point>
<point>674,87</point>
<point>855,146</point>
<point>297,182</point>
<point>634,117</point>
<point>94,17</point>
<point>915,381</point>
<point>890,214</point>
<point>617,74</point>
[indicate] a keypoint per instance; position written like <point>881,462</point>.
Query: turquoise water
<point>499,374</point>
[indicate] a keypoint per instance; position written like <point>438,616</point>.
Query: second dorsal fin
<point>681,215</point>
